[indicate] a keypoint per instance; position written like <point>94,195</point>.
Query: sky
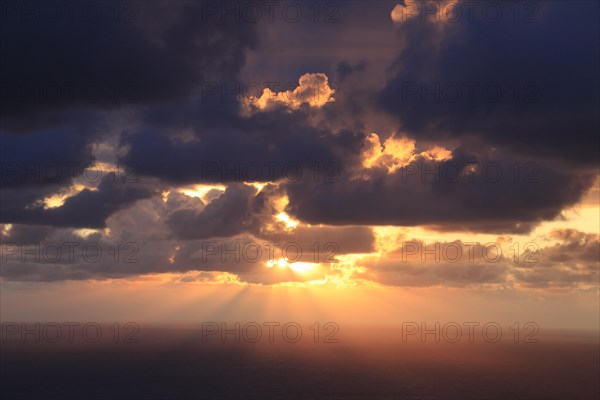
<point>363,162</point>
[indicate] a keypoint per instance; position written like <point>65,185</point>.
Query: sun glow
<point>200,191</point>
<point>57,200</point>
<point>281,263</point>
<point>258,185</point>
<point>299,267</point>
<point>287,220</point>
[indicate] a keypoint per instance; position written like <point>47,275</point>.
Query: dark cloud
<point>25,233</point>
<point>162,52</point>
<point>264,148</point>
<point>546,73</point>
<point>572,260</point>
<point>344,69</point>
<point>228,215</point>
<point>240,210</point>
<point>35,167</point>
<point>86,209</point>
<point>52,158</point>
<point>444,195</point>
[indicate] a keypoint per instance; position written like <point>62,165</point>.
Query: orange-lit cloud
<point>312,89</point>
<point>397,152</point>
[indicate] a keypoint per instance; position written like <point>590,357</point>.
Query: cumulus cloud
<point>312,89</point>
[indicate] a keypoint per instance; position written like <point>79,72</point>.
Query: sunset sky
<point>360,162</point>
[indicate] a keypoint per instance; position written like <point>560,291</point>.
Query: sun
<point>298,267</point>
<point>281,263</point>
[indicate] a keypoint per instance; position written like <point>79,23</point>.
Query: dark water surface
<point>365,364</point>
